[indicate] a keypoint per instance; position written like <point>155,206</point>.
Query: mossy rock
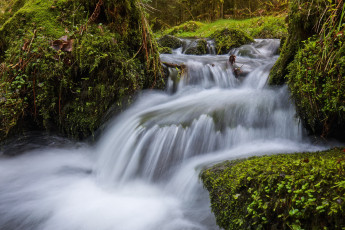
<point>317,82</point>
<point>199,47</point>
<point>228,39</point>
<point>286,191</point>
<point>313,65</point>
<point>101,61</point>
<point>170,41</point>
<point>304,20</point>
<point>190,26</point>
<point>164,50</point>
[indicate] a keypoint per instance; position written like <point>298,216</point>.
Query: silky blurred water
<point>143,172</point>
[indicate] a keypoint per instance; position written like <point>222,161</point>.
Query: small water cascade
<point>143,172</point>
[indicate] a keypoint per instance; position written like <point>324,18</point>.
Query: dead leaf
<point>63,44</point>
<point>25,46</point>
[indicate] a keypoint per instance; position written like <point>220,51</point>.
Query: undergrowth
<point>65,63</point>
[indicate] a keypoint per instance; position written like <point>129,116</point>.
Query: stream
<point>143,172</point>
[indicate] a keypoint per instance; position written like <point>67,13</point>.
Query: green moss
<point>199,49</point>
<point>259,27</point>
<point>314,65</point>
<point>291,191</point>
<point>47,89</point>
<point>317,83</point>
<point>305,19</point>
<point>227,39</point>
<point>170,41</point>
<point>165,50</point>
<point>190,26</point>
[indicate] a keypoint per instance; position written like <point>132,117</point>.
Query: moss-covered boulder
<point>317,82</point>
<point>314,65</point>
<point>64,63</point>
<point>227,39</point>
<point>164,50</point>
<point>304,20</point>
<point>190,26</point>
<point>170,41</point>
<point>198,47</point>
<point>291,191</point>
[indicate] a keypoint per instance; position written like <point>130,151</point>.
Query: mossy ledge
<point>305,19</point>
<point>312,63</point>
<point>107,54</point>
<point>286,191</point>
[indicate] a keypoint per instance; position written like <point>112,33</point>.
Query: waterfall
<point>143,172</point>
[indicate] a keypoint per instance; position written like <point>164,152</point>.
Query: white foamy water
<point>143,172</point>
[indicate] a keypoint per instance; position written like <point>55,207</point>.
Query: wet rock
<point>170,41</point>
<point>198,47</point>
<point>165,50</point>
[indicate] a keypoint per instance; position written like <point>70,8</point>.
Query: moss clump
<point>199,48</point>
<point>164,50</point>
<point>258,27</point>
<point>315,68</point>
<point>317,83</point>
<point>294,191</point>
<point>304,20</point>
<point>190,26</point>
<point>227,39</point>
<point>109,57</point>
<point>170,41</point>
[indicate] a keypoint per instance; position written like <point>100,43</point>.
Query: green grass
<point>259,27</point>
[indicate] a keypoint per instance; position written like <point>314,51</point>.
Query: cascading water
<point>143,173</point>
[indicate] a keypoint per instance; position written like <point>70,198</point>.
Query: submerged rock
<point>64,64</point>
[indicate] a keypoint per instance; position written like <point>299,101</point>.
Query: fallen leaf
<point>25,46</point>
<point>63,44</point>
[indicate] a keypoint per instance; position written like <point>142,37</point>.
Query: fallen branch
<point>172,65</point>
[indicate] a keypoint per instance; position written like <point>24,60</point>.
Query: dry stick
<point>60,103</point>
<point>96,12</point>
<point>93,16</point>
<point>172,65</point>
<point>33,87</point>
<point>144,41</point>
<point>32,39</point>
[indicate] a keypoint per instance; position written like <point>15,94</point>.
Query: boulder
<point>198,47</point>
<point>170,41</point>
<point>227,39</point>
